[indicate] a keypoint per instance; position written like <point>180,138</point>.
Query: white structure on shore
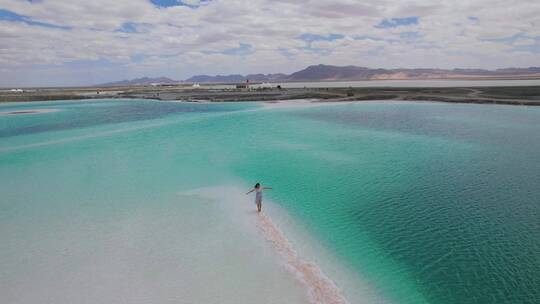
<point>266,85</point>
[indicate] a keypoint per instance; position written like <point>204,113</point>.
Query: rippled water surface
<point>425,202</point>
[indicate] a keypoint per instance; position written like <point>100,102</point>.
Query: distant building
<point>16,90</point>
<point>196,85</point>
<point>243,85</point>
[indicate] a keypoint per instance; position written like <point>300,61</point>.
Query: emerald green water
<point>422,202</point>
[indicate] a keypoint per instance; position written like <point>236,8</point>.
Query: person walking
<point>258,189</point>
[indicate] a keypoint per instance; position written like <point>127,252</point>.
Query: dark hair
<point>257,185</point>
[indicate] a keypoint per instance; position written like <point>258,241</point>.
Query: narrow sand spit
<point>29,111</point>
<point>321,290</point>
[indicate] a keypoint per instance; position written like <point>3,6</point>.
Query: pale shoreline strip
<point>321,290</point>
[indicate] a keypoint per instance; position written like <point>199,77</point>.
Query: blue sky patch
<point>456,53</point>
<point>165,3</point>
<point>128,27</point>
<point>14,17</point>
<point>314,37</point>
<point>395,22</point>
<point>507,40</point>
<point>11,16</point>
<point>169,3</point>
<point>138,58</point>
<point>532,48</point>
<point>285,52</point>
<point>366,37</point>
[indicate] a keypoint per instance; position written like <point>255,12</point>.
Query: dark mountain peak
<point>331,72</point>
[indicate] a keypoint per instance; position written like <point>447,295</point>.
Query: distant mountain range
<point>323,72</point>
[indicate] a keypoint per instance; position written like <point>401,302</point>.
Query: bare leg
<point>259,207</point>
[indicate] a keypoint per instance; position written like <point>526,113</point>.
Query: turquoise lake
<point>142,201</point>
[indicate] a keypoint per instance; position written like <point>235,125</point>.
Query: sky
<point>83,42</point>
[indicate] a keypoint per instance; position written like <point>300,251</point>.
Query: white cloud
<point>180,41</point>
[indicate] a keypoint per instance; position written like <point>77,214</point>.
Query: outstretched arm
<point>250,191</point>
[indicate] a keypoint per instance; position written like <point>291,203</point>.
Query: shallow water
<point>393,202</point>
